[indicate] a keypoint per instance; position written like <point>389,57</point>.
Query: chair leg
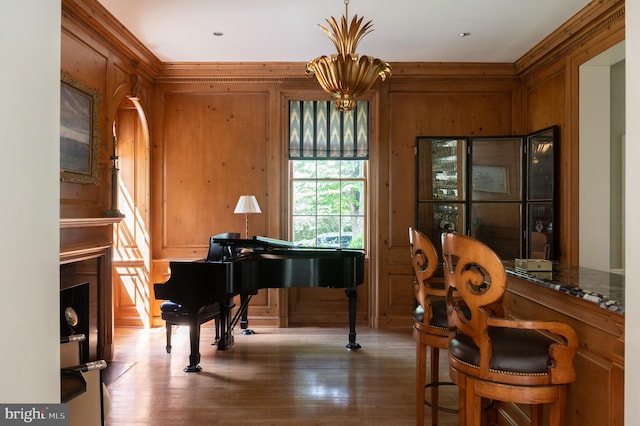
<point>168,328</point>
<point>473,412</point>
<point>490,416</point>
<point>557,409</point>
<point>421,371</point>
<point>462,408</point>
<point>536,415</point>
<point>435,378</point>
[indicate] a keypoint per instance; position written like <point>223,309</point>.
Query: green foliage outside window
<point>328,203</point>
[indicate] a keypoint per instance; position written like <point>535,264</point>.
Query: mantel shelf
<point>85,222</point>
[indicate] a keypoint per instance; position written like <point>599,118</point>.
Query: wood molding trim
<point>281,72</point>
<point>99,22</point>
<point>600,16</point>
<point>88,221</point>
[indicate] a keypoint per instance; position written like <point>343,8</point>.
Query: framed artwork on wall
<point>79,130</point>
<point>490,179</point>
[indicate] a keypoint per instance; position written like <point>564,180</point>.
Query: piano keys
<point>251,265</point>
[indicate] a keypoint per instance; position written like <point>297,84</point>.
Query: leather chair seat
<point>171,307</point>
<point>439,311</point>
<point>172,310</point>
<point>515,351</point>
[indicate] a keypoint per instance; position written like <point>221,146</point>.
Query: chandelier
<point>344,75</point>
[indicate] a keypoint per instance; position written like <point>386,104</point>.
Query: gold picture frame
<point>79,130</point>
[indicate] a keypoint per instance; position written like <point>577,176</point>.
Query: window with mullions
<point>328,153</point>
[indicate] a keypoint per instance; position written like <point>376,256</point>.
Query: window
<point>328,153</point>
<point>328,202</point>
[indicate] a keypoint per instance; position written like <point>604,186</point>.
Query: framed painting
<point>79,131</point>
<point>490,179</point>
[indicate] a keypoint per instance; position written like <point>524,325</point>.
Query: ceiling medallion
<point>344,75</point>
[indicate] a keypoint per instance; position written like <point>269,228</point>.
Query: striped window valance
<point>318,131</point>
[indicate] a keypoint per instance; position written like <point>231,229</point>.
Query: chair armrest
<point>561,353</point>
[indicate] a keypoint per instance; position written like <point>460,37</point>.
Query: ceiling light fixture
<point>344,75</point>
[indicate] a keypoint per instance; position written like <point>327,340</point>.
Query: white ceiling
<point>287,30</point>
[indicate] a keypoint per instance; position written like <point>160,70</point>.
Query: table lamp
<point>247,204</point>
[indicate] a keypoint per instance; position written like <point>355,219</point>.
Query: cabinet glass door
<point>496,194</point>
<point>541,193</point>
<point>441,192</point>
<point>499,189</point>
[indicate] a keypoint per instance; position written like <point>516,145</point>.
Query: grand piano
<point>247,265</point>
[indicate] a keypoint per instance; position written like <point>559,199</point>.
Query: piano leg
<point>244,320</point>
<point>353,302</point>
<point>226,329</point>
<point>194,356</point>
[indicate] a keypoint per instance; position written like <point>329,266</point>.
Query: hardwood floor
<point>279,376</point>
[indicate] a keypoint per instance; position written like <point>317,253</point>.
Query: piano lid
<point>264,244</point>
<point>257,242</point>
<point>274,242</point>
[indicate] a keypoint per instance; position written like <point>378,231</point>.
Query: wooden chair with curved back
<point>491,357</point>
<point>430,327</point>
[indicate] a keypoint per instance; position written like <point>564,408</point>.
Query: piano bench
<point>175,314</point>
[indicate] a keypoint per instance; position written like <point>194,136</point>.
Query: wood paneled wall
<point>550,74</point>
<point>219,131</point>
<point>442,101</point>
<point>89,54</point>
<point>213,148</point>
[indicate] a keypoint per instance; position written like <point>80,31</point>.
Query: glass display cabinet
<point>500,190</point>
<point>441,186</point>
<point>542,193</point>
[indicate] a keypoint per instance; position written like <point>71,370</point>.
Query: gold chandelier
<point>344,75</point>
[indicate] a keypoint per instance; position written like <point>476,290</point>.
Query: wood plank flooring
<point>279,376</point>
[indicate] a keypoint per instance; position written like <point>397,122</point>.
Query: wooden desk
<point>592,302</point>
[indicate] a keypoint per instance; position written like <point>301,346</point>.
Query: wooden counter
<point>592,302</point>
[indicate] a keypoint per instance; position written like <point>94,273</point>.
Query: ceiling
<point>287,30</point>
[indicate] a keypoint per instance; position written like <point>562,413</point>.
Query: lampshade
<point>247,204</point>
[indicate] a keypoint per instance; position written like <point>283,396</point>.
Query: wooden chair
<point>540,248</point>
<point>491,357</point>
<point>430,327</point>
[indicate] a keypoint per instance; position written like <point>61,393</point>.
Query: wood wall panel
<point>551,83</point>
<point>435,114</point>
<point>215,149</point>
<point>264,309</point>
<point>159,274</point>
<point>89,58</point>
<point>131,295</point>
<point>327,306</point>
<point>88,66</point>
<point>478,108</point>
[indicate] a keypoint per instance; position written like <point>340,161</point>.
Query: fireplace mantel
<point>84,222</point>
<point>91,239</point>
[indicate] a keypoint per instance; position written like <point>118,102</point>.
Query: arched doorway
<point>132,257</point>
